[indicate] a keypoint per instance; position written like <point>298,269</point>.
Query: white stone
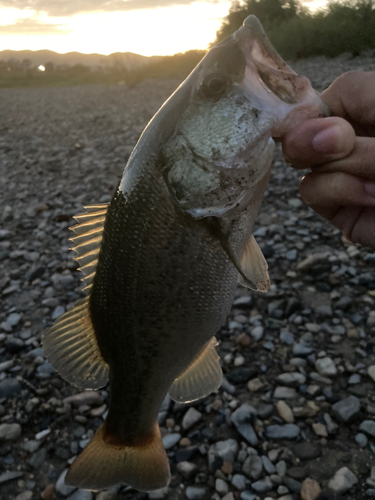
<point>343,480</point>
<point>326,367</point>
<point>191,417</point>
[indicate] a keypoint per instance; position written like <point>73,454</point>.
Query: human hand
<point>340,151</point>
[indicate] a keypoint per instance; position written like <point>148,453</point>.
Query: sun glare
<point>160,31</point>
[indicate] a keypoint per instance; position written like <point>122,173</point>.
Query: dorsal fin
<point>88,240</point>
<point>70,344</point>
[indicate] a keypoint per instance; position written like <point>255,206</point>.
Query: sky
<point>147,27</point>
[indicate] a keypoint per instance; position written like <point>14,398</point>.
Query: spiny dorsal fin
<point>200,378</point>
<point>254,267</point>
<point>88,240</point>
<point>72,349</point>
<point>70,344</point>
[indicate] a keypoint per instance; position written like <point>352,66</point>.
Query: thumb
<point>318,141</point>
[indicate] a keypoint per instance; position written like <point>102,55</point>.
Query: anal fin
<point>254,267</point>
<point>71,347</point>
<point>201,377</point>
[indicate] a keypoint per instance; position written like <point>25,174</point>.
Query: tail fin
<point>103,464</point>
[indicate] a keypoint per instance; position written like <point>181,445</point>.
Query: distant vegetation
<point>346,26</point>
<point>15,73</point>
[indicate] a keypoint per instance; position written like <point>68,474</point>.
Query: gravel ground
<point>297,407</point>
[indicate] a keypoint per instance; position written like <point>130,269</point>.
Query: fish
<point>162,260</point>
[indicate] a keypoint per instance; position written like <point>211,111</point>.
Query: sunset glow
<point>176,26</point>
<point>159,31</point>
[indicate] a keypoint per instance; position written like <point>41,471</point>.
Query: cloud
<point>71,7</point>
<point>32,26</point>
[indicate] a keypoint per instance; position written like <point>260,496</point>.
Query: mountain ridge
<point>45,56</point>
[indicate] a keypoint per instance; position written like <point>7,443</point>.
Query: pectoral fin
<point>254,267</point>
<point>201,377</point>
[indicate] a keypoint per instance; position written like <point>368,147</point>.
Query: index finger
<point>352,97</point>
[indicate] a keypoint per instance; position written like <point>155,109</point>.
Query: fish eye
<point>214,85</point>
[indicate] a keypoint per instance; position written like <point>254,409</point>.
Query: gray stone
<point>253,467</point>
<point>285,393</point>
<point>31,446</point>
<point>239,482</point>
<point>361,439</point>
<point>227,450</point>
<point>158,494</point>
<point>13,319</point>
<point>25,495</point>
<point>9,432</point>
<point>170,440</point>
<point>58,311</point>
<point>293,379</point>
<point>368,426</point>
<point>371,372</point>
<point>61,487</point>
<point>46,368</point>
<point>81,495</point>
<point>287,431</point>
<point>343,480</point>
<point>281,468</point>
<point>37,459</point>
<point>187,469</point>
<point>257,332</point>
<point>10,476</point>
<point>241,418</point>
<point>263,485</point>
<point>191,417</point>
<point>195,492</point>
<point>268,465</point>
<point>354,379</point>
<point>326,367</point>
<point>347,408</point>
<point>286,338</point>
<point>302,350</point>
<point>247,495</point>
<point>221,486</point>
<point>9,388</point>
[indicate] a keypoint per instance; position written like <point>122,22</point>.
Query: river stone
<point>9,432</point>
<point>63,488</point>
<point>195,492</point>
<point>326,367</point>
<point>368,426</point>
<point>262,485</point>
<point>287,431</point>
<point>343,480</point>
<point>346,409</point>
<point>253,467</point>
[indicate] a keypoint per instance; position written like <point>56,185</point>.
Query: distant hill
<point>38,57</point>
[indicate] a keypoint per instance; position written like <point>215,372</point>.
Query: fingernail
<point>328,141</point>
<point>370,188</point>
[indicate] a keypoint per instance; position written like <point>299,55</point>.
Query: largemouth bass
<point>162,260</point>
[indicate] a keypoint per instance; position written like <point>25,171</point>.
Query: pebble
<point>326,367</point>
<point>253,467</point>
<point>368,426</point>
<point>293,379</point>
<point>10,476</point>
<point>287,431</point>
<point>191,417</point>
<point>343,480</point>
<point>81,495</point>
<point>187,469</point>
<point>247,495</point>
<point>241,418</point>
<point>8,432</point>
<point>346,409</point>
<point>25,495</point>
<point>263,485</point>
<point>371,372</point>
<point>285,412</point>
<point>195,492</point>
<point>361,440</point>
<point>158,494</point>
<point>285,393</point>
<point>239,482</point>
<point>221,486</point>
<point>9,388</point>
<point>227,450</point>
<point>62,488</point>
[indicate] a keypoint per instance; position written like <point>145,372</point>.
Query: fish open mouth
<point>271,80</point>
